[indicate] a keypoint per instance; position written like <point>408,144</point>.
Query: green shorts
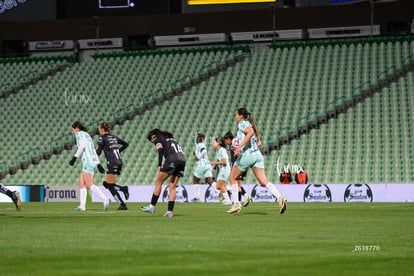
<point>246,161</point>
<point>89,168</point>
<point>223,175</point>
<point>203,171</point>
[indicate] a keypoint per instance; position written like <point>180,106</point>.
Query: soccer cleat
<point>122,207</point>
<point>195,200</point>
<point>148,209</point>
<point>17,201</point>
<point>168,214</point>
<point>80,209</point>
<point>247,199</point>
<point>227,202</point>
<point>282,204</point>
<point>126,192</point>
<point>234,209</point>
<point>106,204</point>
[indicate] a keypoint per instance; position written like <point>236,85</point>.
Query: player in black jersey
<point>109,144</point>
<point>231,142</point>
<point>173,167</point>
<point>15,196</point>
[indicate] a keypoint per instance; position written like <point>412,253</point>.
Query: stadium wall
<point>393,17</point>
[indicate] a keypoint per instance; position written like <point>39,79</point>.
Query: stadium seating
<point>283,86</point>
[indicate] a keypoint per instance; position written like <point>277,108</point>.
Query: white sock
<point>273,190</point>
<point>235,194</point>
<point>197,191</point>
<point>226,196</point>
<point>82,198</point>
<point>98,192</point>
<point>214,185</point>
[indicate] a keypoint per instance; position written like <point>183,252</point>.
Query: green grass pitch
<point>201,239</point>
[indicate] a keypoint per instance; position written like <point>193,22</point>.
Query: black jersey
<point>110,145</point>
<point>168,148</point>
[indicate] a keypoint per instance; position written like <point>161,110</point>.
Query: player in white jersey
<point>90,161</point>
<point>249,156</point>
<point>14,196</point>
<point>223,166</point>
<point>232,143</point>
<point>203,169</point>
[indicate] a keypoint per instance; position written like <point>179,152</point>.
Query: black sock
<point>171,205</point>
<point>115,194</point>
<point>10,194</point>
<point>243,191</point>
<point>154,199</point>
<point>240,196</point>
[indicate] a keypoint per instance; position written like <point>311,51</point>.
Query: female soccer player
<point>90,160</point>
<point>15,196</point>
<point>203,169</point>
<point>249,156</point>
<point>110,145</point>
<point>232,143</point>
<point>173,167</point>
<point>223,165</point>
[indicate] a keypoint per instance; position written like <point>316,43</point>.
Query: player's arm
<point>81,148</point>
<point>123,144</point>
<point>249,133</point>
<point>223,161</point>
<point>160,150</point>
<point>201,154</point>
<point>100,145</point>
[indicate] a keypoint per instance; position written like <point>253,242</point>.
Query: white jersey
<point>86,148</point>
<point>201,154</point>
<point>222,153</point>
<point>250,147</point>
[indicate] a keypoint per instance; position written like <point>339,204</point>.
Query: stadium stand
<point>294,87</point>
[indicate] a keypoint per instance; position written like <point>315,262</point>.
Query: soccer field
<point>201,239</point>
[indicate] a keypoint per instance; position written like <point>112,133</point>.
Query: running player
<point>90,160</point>
<point>15,196</point>
<point>110,145</point>
<point>203,169</point>
<point>249,156</point>
<point>173,167</point>
<point>232,143</point>
<point>223,167</point>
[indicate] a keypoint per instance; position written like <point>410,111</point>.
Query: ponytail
<point>249,116</point>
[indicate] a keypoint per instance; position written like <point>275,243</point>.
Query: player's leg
<point>15,196</point>
<point>221,186</point>
<point>82,193</point>
<point>161,177</point>
<point>109,183</point>
<point>173,193</point>
<point>234,174</point>
<point>88,180</point>
<point>259,172</point>
<point>196,181</point>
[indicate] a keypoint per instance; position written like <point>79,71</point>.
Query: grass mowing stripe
<point>311,238</point>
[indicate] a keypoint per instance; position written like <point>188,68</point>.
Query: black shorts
<point>242,176</point>
<point>173,167</point>
<point>114,169</point>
